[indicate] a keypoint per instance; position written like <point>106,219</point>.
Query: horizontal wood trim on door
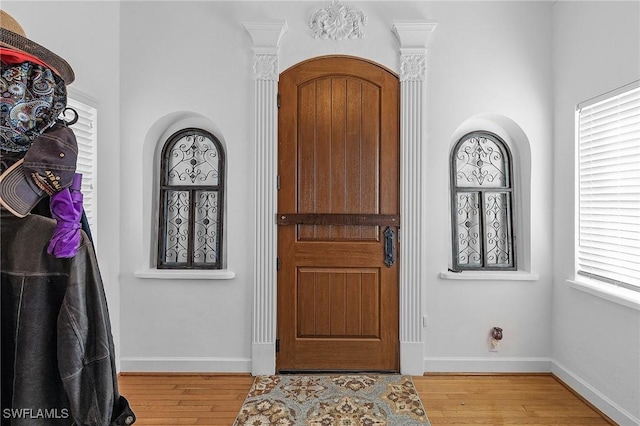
<point>337,219</point>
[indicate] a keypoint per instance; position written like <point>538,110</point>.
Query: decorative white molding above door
<point>338,22</point>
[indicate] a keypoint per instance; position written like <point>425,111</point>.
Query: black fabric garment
<point>57,354</point>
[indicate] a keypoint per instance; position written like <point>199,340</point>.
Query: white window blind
<point>609,187</point>
<point>85,130</point>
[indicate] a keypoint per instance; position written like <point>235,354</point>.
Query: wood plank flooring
<point>532,400</point>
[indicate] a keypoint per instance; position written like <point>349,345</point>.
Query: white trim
<point>266,37</point>
<point>266,40</point>
<point>263,358</point>
<point>185,274</point>
<point>184,365</point>
<point>86,132</point>
<point>350,25</point>
<point>533,365</point>
<point>73,92</point>
<point>411,354</point>
<point>413,34</point>
<point>490,276</point>
<point>613,293</point>
<point>605,143</point>
<point>433,365</point>
<point>412,38</point>
<point>595,397</point>
<point>487,364</point>
<point>615,92</point>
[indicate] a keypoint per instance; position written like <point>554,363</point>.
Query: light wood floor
<point>449,399</point>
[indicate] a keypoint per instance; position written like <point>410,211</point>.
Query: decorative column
<point>413,58</point>
<point>266,40</point>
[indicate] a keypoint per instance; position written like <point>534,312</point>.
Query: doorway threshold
<point>315,372</point>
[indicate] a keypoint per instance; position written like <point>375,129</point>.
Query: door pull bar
<point>389,247</point>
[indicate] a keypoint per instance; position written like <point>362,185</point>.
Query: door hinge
<point>278,263</point>
<point>278,182</point>
<point>277,345</point>
<point>278,100</point>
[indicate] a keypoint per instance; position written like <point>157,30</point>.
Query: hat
<point>13,36</point>
<point>47,168</point>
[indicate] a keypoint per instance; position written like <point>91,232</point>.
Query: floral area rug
<point>326,400</point>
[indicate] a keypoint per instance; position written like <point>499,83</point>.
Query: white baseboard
<point>431,365</point>
<point>487,365</point>
<point>591,394</point>
<point>532,365</point>
<point>184,365</point>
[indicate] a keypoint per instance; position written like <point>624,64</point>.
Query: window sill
<point>620,295</point>
<point>183,274</point>
<point>490,276</point>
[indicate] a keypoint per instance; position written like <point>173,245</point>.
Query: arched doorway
<point>338,216</point>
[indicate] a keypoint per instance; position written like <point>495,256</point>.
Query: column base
<point>263,359</point>
<point>411,358</point>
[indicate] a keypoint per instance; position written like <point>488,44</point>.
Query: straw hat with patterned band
<point>12,36</point>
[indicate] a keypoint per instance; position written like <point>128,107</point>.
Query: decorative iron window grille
<point>482,199</point>
<point>191,201</point>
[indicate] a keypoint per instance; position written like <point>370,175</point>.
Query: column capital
<point>413,67</point>
<point>265,67</point>
<point>413,35</point>
<point>266,36</point>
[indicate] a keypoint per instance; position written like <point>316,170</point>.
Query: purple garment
<point>66,209</point>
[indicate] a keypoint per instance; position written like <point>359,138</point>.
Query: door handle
<point>389,247</point>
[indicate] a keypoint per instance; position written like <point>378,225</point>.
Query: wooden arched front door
<point>338,216</point>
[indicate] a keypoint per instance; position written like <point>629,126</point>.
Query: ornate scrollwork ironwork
<point>468,225</point>
<point>480,162</point>
<point>193,159</point>
<point>177,227</point>
<point>497,229</point>
<point>206,227</point>
<point>481,182</point>
<point>190,232</point>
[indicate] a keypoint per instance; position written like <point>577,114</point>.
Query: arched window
<point>191,201</point>
<point>481,204</point>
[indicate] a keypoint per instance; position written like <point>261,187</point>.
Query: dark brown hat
<point>13,36</point>
<point>47,168</point>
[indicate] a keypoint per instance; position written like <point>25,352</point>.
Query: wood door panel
<point>338,157</point>
<point>338,303</point>
<point>337,232</point>
<point>338,154</point>
<point>338,254</point>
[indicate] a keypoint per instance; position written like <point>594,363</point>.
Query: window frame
<point>580,254</point>
<point>165,188</point>
<point>511,213</point>
<point>85,130</point>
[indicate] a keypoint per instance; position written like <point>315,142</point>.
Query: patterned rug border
<point>329,399</point>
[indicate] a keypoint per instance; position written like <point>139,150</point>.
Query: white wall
<point>195,58</point>
<point>153,63</point>
<point>596,343</point>
<point>489,58</point>
<point>86,34</point>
